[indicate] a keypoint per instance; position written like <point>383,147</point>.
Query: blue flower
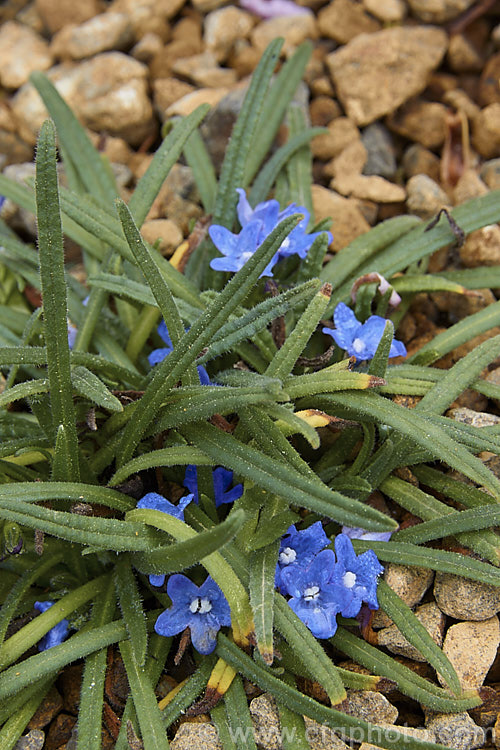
<point>360,340</point>
<point>154,501</point>
<point>158,355</point>
<point>2,201</point>
<point>72,334</point>
<point>55,635</point>
<point>315,599</point>
<point>204,610</point>
<point>355,532</point>
<point>356,575</point>
<point>299,547</point>
<point>222,479</point>
<point>257,223</point>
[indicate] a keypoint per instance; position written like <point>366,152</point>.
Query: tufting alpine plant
<point>198,483</point>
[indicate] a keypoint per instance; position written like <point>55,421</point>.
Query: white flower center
<point>287,556</point>
<point>358,345</point>
<point>200,606</point>
<point>349,579</point>
<point>311,593</point>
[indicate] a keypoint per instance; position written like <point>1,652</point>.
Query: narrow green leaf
<point>285,358</point>
<point>150,719</point>
<point>304,705</point>
<point>175,456</point>
<point>92,689</point>
<point>415,283</point>
<point>409,682</point>
<point>465,520</point>
<point>164,159</point>
<point>276,101</point>
<point>309,649</point>
<point>378,365</point>
<point>345,264</point>
<point>172,368</point>
<point>24,390</point>
<point>51,253</point>
<point>193,549</point>
<point>262,573</point>
<point>21,587</point>
<point>420,430</point>
<point>34,492</point>
<point>31,633</point>
<point>198,158</point>
<point>86,160</point>
<point>131,607</point>
<point>299,166</point>
<point>282,479</point>
<point>189,691</point>
<point>238,715</point>
<point>240,144</point>
<point>269,172</point>
<point>434,559</point>
<point>90,386</point>
<point>471,497</point>
<point>413,630</point>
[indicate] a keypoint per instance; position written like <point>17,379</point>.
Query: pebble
<point>108,92</point>
<point>374,74</point>
<point>217,126</point>
<point>471,647</point>
<point>387,11</point>
<point>21,52</point>
<point>341,133</point>
<point>418,733</point>
<point>433,620</point>
<point>481,247</point>
<point>420,121</point>
<point>147,47</point>
<point>381,157</point>
<point>409,582</point>
<point>463,56</point>
<point>148,15</point>
<point>47,710</point>
<point>486,131</point>
<point>266,722</point>
<point>419,160</point>
<point>32,741</point>
<point>489,85</point>
<point>438,11</point>
<point>104,32</point>
<point>294,30</point>
<point>224,27</point>
<point>55,14</point>
<point>348,221</point>
<point>370,706</point>
<point>194,736</point>
<point>371,188</point>
<point>342,20</point>
<point>321,737</point>
<point>189,102</point>
<point>165,232</point>
<point>457,731</point>
<point>464,599</point>
<point>15,145</point>
<point>168,91</point>
<point>490,174</point>
<point>474,418</point>
<point>425,197</point>
<point>469,186</point>
<point>203,70</point>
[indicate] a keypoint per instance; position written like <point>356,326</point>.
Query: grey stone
<point>464,599</point>
<point>370,706</point>
<point>425,197</point>
<point>381,158</point>
<point>457,731</point>
<point>472,647</point>
<point>474,418</point>
<point>321,737</point>
<point>431,618</point>
<point>32,741</point>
